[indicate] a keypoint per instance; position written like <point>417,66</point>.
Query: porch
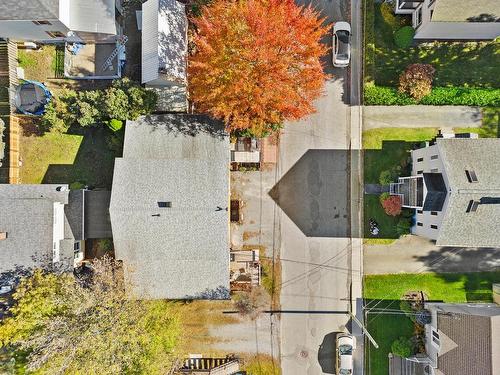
<point>245,270</point>
<point>93,60</point>
<point>411,191</point>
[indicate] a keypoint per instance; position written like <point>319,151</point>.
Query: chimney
<point>3,235</point>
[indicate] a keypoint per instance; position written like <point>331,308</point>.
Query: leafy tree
<point>253,303</point>
<point>116,104</point>
<point>403,226</point>
<point>404,36</point>
<point>402,347</point>
<point>392,205</point>
<point>69,325</point>
<point>416,80</point>
<point>257,63</point>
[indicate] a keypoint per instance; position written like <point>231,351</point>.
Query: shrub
<point>481,97</point>
<point>76,185</point>
<point>402,347</point>
<point>252,304</point>
<point>416,80</point>
<point>405,306</point>
<point>51,120</point>
<point>384,196</point>
<point>114,125</point>
<point>386,177</point>
<point>379,95</point>
<point>403,226</point>
<point>387,12</point>
<point>392,205</point>
<point>404,36</point>
<point>115,104</point>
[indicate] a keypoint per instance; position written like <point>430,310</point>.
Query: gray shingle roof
<point>474,330</point>
<point>466,10</point>
<point>474,229</point>
<point>29,9</point>
<point>182,251</point>
<point>27,215</point>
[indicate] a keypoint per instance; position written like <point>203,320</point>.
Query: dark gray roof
<point>74,213</point>
<point>97,220</point>
<point>473,229</point>
<point>182,251</point>
<point>474,331</point>
<point>27,215</point>
<point>436,192</point>
<point>29,9</point>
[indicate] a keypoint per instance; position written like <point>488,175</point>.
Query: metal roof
<point>180,251</point>
<point>29,10</point>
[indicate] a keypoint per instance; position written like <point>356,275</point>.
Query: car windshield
<point>343,36</point>
<point>345,349</point>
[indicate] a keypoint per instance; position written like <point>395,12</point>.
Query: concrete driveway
<point>412,254</point>
<point>421,116</point>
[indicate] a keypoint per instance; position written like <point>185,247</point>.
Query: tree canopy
<point>257,63</point>
<point>70,325</point>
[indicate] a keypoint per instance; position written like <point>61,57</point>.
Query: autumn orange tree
<point>257,62</point>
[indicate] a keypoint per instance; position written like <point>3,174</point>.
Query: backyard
<point>473,64</point>
<point>384,292</point>
<point>77,156</point>
<point>388,149</point>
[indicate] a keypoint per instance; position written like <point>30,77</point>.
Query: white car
<point>346,344</point>
<point>341,44</point>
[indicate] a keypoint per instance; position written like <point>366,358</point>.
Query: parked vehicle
<point>346,344</point>
<point>341,44</point>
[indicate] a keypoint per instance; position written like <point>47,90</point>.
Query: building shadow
<point>314,193</point>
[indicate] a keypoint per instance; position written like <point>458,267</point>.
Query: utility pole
<point>363,329</point>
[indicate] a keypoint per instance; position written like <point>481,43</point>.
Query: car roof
<point>346,362</point>
<point>345,340</point>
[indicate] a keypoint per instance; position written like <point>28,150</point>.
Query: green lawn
<point>457,64</point>
<point>385,328</point>
<point>67,158</point>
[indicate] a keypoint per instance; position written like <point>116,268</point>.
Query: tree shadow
<point>314,193</point>
<point>93,164</point>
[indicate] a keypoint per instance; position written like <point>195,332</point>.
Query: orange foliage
<point>257,62</point>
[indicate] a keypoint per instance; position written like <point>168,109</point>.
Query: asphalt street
<point>313,193</point>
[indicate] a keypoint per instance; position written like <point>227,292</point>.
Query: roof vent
<point>471,175</point>
<point>165,204</point>
<point>3,235</point>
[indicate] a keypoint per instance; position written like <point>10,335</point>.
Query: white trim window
<point>436,341</point>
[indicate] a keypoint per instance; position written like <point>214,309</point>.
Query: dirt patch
<point>247,235</point>
<point>30,125</point>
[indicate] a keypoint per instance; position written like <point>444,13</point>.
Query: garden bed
<point>388,149</point>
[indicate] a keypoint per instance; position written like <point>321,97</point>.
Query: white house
<point>454,188</point>
<point>57,20</point>
<point>453,19</point>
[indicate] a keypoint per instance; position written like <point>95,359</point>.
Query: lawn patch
<point>41,64</point>
<point>66,158</point>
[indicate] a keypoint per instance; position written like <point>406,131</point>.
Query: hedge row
<point>482,97</point>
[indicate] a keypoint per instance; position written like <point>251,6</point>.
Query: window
<point>164,204</point>
<point>434,157</point>
<point>434,226</point>
<point>55,34</point>
<point>472,206</point>
<point>434,213</point>
<point>418,16</point>
<point>471,175</point>
<point>420,159</point>
<point>420,172</point>
<point>419,224</point>
<point>76,246</point>
<point>41,22</point>
<point>420,212</point>
<point>434,170</point>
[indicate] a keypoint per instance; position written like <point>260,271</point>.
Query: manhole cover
<point>303,354</point>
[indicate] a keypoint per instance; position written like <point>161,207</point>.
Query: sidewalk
<point>421,116</point>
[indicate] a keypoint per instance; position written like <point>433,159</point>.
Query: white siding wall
<point>428,165</point>
<point>27,30</point>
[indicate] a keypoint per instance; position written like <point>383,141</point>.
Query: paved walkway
<point>376,189</point>
<point>421,116</point>
<point>412,254</point>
